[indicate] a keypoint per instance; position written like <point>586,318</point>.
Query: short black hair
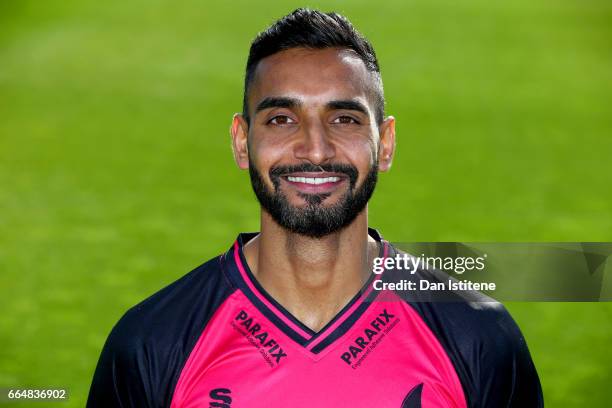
<point>313,29</point>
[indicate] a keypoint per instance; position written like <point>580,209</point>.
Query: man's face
<point>313,142</point>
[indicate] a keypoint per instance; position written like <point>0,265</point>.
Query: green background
<point>116,174</point>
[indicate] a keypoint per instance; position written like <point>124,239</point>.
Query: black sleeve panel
<point>145,352</point>
<point>488,351</point>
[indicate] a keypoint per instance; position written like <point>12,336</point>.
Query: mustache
<point>349,170</point>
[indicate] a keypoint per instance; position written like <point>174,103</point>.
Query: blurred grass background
<point>116,176</point>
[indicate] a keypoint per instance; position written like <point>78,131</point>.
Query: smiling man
<point>288,317</point>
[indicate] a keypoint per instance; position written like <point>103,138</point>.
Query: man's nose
<point>315,144</point>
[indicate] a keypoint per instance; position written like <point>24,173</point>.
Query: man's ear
<point>387,144</point>
<point>240,147</point>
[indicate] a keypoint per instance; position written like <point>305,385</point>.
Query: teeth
<point>313,180</point>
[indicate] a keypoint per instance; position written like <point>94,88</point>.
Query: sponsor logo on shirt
<point>370,338</point>
<point>269,348</point>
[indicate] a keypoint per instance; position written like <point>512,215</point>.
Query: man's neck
<point>312,278</point>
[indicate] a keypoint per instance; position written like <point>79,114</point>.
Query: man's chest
<point>386,358</point>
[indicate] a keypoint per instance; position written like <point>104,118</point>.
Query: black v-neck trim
<point>282,318</point>
<point>287,314</point>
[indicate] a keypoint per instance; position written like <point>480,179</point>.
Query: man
<point>288,317</point>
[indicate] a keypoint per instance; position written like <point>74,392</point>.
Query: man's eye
<point>345,120</point>
<point>281,120</point>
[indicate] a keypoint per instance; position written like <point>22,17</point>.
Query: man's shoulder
<point>463,320</point>
<point>147,348</point>
<point>171,312</point>
<point>488,351</point>
<point>467,316</point>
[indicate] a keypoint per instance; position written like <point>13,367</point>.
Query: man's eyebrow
<point>277,102</point>
<point>348,104</point>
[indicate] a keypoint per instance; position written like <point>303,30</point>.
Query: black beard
<point>314,220</point>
